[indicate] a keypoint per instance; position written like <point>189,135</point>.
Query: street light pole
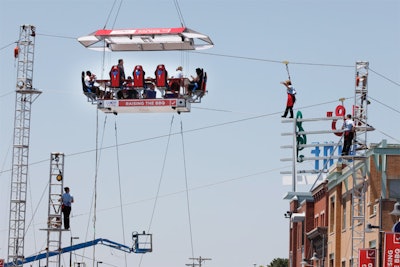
<point>99,262</point>
<point>70,253</point>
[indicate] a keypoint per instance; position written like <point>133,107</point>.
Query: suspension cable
<point>120,187</point>
<point>287,69</point>
<point>116,16</point>
<point>187,191</point>
<point>109,14</point>
<point>93,206</point>
<point>159,182</point>
<point>178,10</point>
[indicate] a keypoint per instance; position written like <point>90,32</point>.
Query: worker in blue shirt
<point>66,200</point>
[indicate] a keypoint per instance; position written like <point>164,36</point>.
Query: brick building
<point>329,224</point>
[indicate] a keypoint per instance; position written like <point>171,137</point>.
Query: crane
<point>142,244</point>
<point>25,96</point>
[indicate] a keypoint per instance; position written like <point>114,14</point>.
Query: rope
<point>287,69</point>
<point>94,197</point>
<point>116,16</point>
<point>179,13</point>
<point>95,183</point>
<point>120,188</point>
<point>159,183</point>
<point>187,191</point>
<point>109,14</point>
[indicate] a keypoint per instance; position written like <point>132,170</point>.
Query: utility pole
<point>200,260</point>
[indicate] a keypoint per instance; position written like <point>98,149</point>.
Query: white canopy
<point>147,39</point>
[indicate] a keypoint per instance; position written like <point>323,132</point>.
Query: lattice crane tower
<point>25,96</point>
<point>360,142</point>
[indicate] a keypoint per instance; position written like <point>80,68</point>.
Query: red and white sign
<point>367,257</point>
<point>391,257</point>
<point>1,262</point>
<point>145,31</point>
<point>147,103</point>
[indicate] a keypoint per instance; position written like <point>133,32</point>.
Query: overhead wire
<point>272,61</point>
<point>4,47</point>
<point>56,36</point>
<point>186,131</point>
<point>231,56</point>
<point>194,129</point>
<point>223,55</point>
<point>198,187</point>
<point>384,77</point>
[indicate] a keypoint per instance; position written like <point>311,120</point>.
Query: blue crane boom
<point>102,241</point>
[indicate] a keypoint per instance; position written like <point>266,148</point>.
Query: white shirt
<point>179,74</point>
<point>88,81</point>
<point>348,125</point>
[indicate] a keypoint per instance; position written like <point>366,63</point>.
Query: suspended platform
<point>138,93</point>
<point>146,39</point>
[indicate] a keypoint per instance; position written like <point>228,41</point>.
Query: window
<point>351,210</point>
<point>331,260</point>
<point>372,244</point>
<point>344,210</point>
<point>374,209</point>
<point>332,214</point>
<point>394,187</point>
<point>316,223</point>
<point>322,221</point>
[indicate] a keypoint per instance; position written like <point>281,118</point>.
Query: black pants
<point>288,109</point>
<point>348,139</point>
<point>66,211</point>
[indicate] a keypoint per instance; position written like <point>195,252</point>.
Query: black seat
<point>201,90</point>
<point>86,91</point>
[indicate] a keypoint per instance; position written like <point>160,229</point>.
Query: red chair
<point>138,77</point>
<point>161,77</point>
<point>115,77</point>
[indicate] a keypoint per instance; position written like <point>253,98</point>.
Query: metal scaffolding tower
<point>25,96</point>
<point>358,157</point>
<point>356,160</point>
<point>54,229</point>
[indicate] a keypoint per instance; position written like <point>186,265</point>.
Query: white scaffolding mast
<point>360,146</point>
<point>54,229</point>
<point>25,96</point>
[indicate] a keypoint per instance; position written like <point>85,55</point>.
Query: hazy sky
<point>230,148</point>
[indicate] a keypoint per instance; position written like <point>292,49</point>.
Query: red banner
<point>144,31</point>
<point>391,257</point>
<point>367,257</point>
<point>1,262</point>
<point>147,103</point>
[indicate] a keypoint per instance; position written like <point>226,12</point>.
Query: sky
<point>206,183</point>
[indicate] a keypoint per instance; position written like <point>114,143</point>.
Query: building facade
<point>350,210</point>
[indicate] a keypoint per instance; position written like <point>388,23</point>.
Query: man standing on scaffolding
<point>348,133</point>
<point>66,200</point>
